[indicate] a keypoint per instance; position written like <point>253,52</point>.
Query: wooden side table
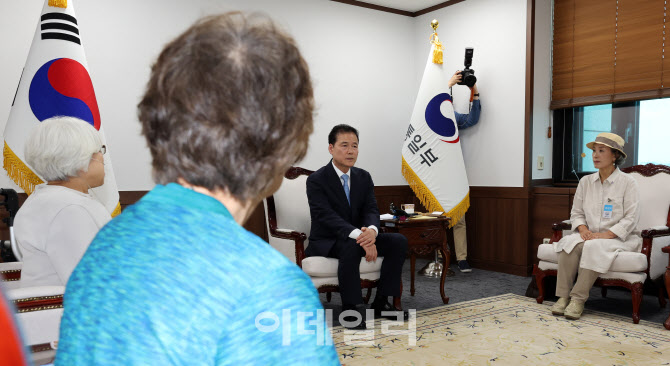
<point>424,236</point>
<point>667,284</point>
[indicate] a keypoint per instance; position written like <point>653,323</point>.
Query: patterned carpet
<point>505,330</point>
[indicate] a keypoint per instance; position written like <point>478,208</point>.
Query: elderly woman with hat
<point>604,218</point>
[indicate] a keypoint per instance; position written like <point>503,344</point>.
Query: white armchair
<point>288,219</point>
<point>629,270</point>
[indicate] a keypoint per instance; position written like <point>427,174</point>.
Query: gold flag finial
<point>434,39</point>
<point>58,3</point>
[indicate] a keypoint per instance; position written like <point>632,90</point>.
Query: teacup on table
<point>408,207</point>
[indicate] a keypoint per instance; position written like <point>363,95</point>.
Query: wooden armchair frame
<point>10,275</point>
<point>666,324</point>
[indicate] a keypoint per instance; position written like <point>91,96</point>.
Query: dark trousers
<point>391,246</point>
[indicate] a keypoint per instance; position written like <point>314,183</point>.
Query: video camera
<point>468,74</point>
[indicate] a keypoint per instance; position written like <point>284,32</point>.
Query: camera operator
<point>469,119</point>
<point>464,121</point>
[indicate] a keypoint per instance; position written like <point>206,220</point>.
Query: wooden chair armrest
<point>648,236</point>
<point>287,234</point>
<point>39,303</point>
<point>27,299</point>
<point>299,239</point>
<point>656,232</point>
<point>561,225</point>
<point>558,228</point>
<point>10,275</point>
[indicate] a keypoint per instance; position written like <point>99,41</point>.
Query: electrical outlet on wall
<point>540,162</point>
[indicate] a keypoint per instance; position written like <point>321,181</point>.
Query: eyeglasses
<point>103,150</point>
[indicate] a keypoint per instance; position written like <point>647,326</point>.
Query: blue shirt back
<point>174,280</point>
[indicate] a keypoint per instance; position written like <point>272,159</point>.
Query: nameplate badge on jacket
<point>607,212</point>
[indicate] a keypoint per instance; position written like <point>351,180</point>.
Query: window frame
<point>625,122</point>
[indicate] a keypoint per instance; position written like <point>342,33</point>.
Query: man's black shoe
<point>389,311</point>
<point>351,320</point>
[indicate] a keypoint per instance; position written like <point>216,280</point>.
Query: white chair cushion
<point>40,326</point>
<point>629,262</point>
<point>327,267</point>
<point>10,266</point>
<point>326,281</point>
<point>10,285</point>
<point>36,291</point>
<point>654,198</point>
<point>545,266</point>
<point>546,252</point>
<point>631,277</point>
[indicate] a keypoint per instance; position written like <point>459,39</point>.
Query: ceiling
<point>406,5</point>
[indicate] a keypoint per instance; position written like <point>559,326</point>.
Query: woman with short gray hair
<point>60,218</point>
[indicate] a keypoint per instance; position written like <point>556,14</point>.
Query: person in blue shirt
<point>464,120</point>
<point>175,279</point>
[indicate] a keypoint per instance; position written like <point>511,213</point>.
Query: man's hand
<point>585,233</point>
<point>370,252</point>
<point>367,238</point>
<point>455,79</point>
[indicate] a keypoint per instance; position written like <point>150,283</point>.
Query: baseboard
<point>512,269</point>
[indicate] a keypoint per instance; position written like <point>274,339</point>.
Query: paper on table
<point>421,217</point>
<point>386,217</point>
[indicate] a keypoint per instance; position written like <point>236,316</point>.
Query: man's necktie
<point>346,186</point>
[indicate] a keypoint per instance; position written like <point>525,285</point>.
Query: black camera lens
<point>470,79</point>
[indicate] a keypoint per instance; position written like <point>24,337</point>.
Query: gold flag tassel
<point>19,172</point>
<point>428,200</point>
<point>434,39</point>
<point>58,3</point>
<point>117,210</point>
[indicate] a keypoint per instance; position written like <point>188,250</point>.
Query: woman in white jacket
<point>604,216</point>
<point>60,218</point>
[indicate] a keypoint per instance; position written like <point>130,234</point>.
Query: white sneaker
<point>560,305</point>
<point>574,310</point>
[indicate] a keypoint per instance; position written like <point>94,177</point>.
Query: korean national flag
<point>55,82</point>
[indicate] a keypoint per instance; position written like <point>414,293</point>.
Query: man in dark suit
<point>345,222</point>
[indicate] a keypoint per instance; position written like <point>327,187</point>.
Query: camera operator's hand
<point>455,79</point>
<point>475,91</point>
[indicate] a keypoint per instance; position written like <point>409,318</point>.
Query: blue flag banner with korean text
<point>55,82</point>
<point>432,160</point>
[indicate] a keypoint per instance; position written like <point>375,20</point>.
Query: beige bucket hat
<point>608,139</point>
